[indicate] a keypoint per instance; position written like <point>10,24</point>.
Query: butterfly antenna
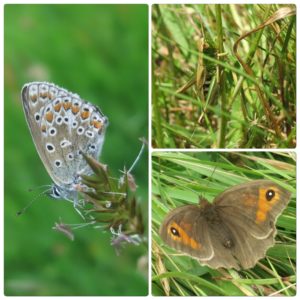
<point>215,168</point>
<point>20,212</point>
<point>39,187</point>
<point>138,157</point>
<point>201,197</point>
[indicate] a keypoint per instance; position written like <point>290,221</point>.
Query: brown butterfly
<point>234,231</point>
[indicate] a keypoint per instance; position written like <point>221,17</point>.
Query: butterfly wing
<point>254,206</point>
<point>223,256</point>
<point>246,249</point>
<point>249,212</point>
<point>234,232</point>
<point>62,125</point>
<point>186,230</point>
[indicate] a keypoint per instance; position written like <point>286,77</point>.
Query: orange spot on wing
<point>57,107</point>
<point>67,105</point>
<point>264,206</point>
<point>49,116</point>
<point>85,114</point>
<point>183,236</point>
<point>43,128</point>
<point>75,109</point>
<point>33,97</point>
<point>97,124</point>
<point>44,94</point>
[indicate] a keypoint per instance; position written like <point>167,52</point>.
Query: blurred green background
<point>101,53</point>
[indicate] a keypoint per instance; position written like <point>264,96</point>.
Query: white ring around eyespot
<point>70,154</point>
<point>80,128</point>
<point>65,143</point>
<point>68,120</point>
<point>51,129</point>
<point>58,161</point>
<point>49,145</point>
<point>39,116</point>
<point>59,122</point>
<point>89,134</point>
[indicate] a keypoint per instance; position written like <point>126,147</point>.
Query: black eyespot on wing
<point>58,163</point>
<point>52,131</point>
<point>228,243</point>
<point>92,147</point>
<point>174,231</point>
<point>50,147</point>
<point>270,194</point>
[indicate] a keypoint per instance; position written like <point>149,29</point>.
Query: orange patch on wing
<point>44,94</point>
<point>264,206</point>
<point>43,128</point>
<point>33,97</point>
<point>67,105</point>
<point>57,107</point>
<point>183,236</point>
<point>75,109</point>
<point>85,114</point>
<point>49,116</point>
<point>97,124</point>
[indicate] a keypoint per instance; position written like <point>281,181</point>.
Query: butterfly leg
<point>77,205</point>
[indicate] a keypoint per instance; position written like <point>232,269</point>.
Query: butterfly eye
<point>174,231</point>
<point>55,192</point>
<point>270,194</point>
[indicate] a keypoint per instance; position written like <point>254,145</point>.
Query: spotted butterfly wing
<point>62,125</point>
<point>234,231</point>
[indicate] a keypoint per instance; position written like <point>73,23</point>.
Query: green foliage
<point>112,202</point>
<point>180,178</point>
<point>101,53</point>
<point>203,96</point>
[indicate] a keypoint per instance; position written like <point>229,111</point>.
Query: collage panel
<point>76,220</point>
<point>224,76</point>
<point>223,223</point>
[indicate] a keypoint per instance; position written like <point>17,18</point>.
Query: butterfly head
<point>58,192</point>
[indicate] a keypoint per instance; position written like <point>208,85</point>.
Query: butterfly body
<point>63,126</point>
<point>234,231</point>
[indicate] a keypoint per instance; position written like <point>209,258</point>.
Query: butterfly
<point>234,231</point>
<point>63,126</point>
